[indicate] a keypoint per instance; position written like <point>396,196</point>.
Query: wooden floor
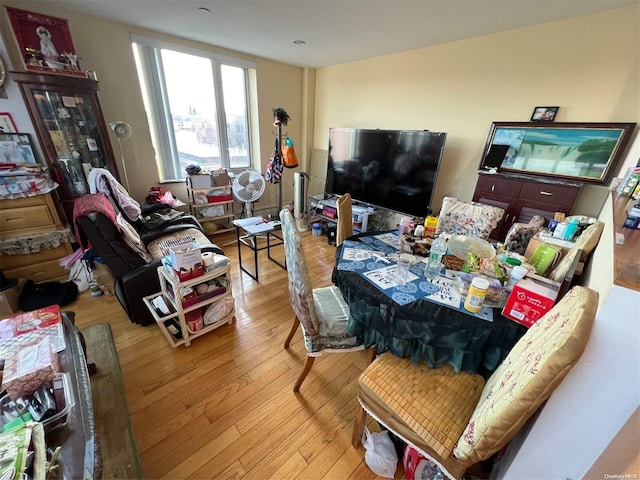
<point>224,407</point>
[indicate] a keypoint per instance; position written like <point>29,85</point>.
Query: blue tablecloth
<point>422,330</point>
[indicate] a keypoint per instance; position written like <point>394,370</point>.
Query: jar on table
<point>477,293</point>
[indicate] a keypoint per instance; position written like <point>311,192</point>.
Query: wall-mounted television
<point>392,169</point>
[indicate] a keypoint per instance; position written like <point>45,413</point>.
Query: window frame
<point>147,50</point>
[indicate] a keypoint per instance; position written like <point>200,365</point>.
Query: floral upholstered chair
<point>322,312</point>
<point>456,419</point>
<point>468,218</point>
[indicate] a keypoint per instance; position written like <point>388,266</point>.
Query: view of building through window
<point>193,124</point>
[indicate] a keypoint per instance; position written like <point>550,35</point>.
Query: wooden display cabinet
<point>70,126</point>
<point>522,198</point>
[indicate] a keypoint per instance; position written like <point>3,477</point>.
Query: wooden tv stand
<point>523,197</point>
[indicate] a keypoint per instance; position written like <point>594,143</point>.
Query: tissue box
<point>530,299</point>
<point>185,257</point>
<point>29,366</point>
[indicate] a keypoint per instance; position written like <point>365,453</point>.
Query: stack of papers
<point>255,225</point>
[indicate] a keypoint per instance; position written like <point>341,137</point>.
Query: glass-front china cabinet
<point>71,129</point>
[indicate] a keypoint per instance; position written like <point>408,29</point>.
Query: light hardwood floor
<point>224,407</point>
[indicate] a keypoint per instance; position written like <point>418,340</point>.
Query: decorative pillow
<point>468,218</point>
<point>520,234</point>
<point>527,377</point>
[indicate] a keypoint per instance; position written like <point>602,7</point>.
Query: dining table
<point>421,317</point>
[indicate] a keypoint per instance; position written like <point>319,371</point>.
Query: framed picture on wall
<point>16,148</point>
<point>6,123</point>
<point>578,152</point>
<point>45,42</point>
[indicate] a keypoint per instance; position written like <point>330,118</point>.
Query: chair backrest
<point>300,289</point>
<point>589,239</point>
<point>345,218</point>
<point>566,267</point>
<point>533,369</point>
<point>468,218</point>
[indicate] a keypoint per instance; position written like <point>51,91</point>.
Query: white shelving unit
<point>196,205</point>
<point>172,293</point>
<point>361,214</point>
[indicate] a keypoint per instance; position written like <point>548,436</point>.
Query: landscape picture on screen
<point>583,152</point>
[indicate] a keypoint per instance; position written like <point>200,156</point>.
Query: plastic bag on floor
<point>380,455</point>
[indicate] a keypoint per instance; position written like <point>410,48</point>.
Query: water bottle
<point>571,229</point>
<point>438,250</point>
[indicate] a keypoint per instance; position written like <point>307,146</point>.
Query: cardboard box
<point>530,299</point>
<point>220,179</point>
<point>28,367</point>
<point>541,238</point>
<point>9,300</point>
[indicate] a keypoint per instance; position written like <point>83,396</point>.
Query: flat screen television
<point>392,169</point>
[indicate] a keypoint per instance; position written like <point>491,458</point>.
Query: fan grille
<point>248,186</point>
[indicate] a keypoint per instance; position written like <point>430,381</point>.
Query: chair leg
<point>374,354</point>
<point>292,332</point>
<point>358,426</point>
<point>305,371</point>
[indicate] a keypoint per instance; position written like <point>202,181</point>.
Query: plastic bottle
<point>571,229</point>
<point>405,225</point>
<point>438,250</point>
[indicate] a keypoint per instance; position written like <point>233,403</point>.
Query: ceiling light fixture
<point>299,42</point>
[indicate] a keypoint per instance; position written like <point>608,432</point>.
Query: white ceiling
<point>335,31</point>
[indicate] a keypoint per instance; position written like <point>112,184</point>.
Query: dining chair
<point>468,218</point>
<point>345,218</point>
<point>456,419</point>
<point>321,312</point>
<point>565,271</point>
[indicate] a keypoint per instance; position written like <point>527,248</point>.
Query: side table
<point>253,229</point>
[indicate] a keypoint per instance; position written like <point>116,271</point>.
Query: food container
<point>477,292</point>
<point>65,400</point>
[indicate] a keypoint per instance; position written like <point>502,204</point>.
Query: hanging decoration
<point>274,167</point>
<point>289,158</point>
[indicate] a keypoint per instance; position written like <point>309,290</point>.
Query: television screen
<point>392,169</point>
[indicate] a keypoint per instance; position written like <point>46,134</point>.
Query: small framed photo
<point>544,114</point>
<point>16,148</point>
<point>6,123</point>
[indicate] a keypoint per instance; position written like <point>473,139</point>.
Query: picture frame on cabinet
<point>574,152</point>
<point>544,114</point>
<point>16,148</point>
<point>7,125</point>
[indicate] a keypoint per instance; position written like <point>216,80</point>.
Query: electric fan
<point>247,187</point>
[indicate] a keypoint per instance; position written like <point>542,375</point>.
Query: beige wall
<point>589,66</point>
<point>106,48</point>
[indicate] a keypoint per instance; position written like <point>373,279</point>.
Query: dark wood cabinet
<point>522,198</point>
<point>70,126</point>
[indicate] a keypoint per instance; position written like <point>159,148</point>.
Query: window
<point>197,106</point>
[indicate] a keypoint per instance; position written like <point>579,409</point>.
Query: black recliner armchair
<point>135,278</point>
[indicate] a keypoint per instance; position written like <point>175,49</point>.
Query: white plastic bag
<point>380,455</point>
